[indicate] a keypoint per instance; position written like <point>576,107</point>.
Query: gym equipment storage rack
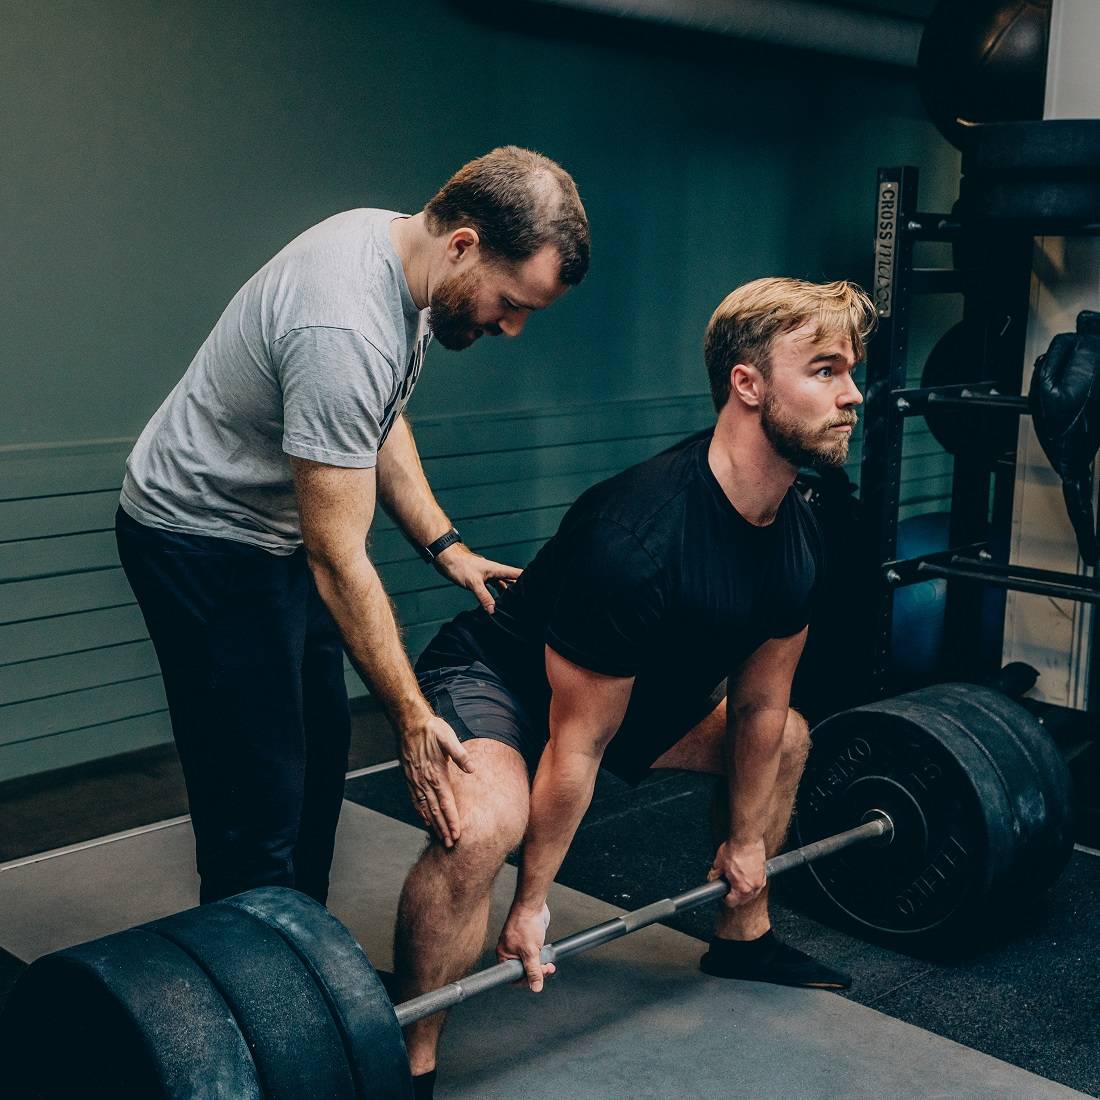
<point>1040,179</point>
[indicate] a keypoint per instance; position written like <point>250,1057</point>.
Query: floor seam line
<point>901,985</point>
<point>635,809</point>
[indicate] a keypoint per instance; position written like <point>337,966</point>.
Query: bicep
<point>764,680</point>
<point>335,507</point>
<point>398,464</point>
<point>586,708</point>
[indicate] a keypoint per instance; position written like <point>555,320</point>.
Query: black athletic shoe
<point>769,959</point>
<point>424,1086</point>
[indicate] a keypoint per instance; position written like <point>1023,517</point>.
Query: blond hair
<point>742,328</point>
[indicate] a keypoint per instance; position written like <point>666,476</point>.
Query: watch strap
<point>430,552</point>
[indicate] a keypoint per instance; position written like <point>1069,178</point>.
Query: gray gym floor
<point>632,1019</point>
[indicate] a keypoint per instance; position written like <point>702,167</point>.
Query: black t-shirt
<point>652,574</point>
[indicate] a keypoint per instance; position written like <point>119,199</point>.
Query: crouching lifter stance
<point>693,570</point>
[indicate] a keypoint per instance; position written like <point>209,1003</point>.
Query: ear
<point>747,384</point>
<point>462,243</point>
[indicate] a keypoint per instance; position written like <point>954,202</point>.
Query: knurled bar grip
<point>877,824</point>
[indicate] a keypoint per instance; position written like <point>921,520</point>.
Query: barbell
<point>930,806</point>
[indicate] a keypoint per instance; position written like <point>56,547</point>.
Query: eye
<point>826,372</point>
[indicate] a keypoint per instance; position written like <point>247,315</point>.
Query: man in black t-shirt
<point>659,628</point>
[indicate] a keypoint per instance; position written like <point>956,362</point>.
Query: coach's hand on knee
<point>523,938</point>
<point>427,749</point>
<point>742,866</point>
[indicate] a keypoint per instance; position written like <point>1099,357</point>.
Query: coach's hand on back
<point>463,567</point>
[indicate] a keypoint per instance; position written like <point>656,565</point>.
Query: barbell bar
<point>876,826</point>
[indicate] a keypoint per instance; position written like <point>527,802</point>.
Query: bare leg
<point>444,906</point>
<point>703,749</point>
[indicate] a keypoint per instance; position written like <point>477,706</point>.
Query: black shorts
<point>475,702</point>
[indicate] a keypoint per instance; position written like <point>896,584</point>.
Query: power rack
<point>993,257</point>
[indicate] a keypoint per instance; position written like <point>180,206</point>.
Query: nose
<point>851,395</point>
<point>512,323</point>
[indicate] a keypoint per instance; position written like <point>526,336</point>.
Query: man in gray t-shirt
<point>248,498</point>
<point>314,358</point>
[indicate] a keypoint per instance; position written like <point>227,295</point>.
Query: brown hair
<point>742,328</point>
<point>518,201</point>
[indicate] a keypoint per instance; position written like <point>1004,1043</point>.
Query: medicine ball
<point>983,61</point>
<point>916,638</point>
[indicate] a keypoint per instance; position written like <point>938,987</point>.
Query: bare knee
<point>492,834</point>
<point>796,740</point>
<point>479,853</point>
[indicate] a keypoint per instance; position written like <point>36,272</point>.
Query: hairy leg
<point>444,906</point>
<point>702,749</point>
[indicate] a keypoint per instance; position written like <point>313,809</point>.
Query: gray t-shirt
<point>314,357</point>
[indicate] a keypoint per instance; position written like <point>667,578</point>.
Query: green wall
<point>158,154</point>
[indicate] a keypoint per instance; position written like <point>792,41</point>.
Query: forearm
<point>404,491</point>
<point>754,738</point>
<point>561,793</point>
<point>353,593</point>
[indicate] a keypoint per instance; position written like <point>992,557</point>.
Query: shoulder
<point>647,500</point>
<point>331,246</point>
<point>339,274</point>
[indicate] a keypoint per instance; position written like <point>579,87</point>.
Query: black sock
<point>424,1085</point>
<point>769,959</point>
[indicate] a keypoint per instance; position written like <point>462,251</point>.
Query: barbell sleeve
<point>876,825</point>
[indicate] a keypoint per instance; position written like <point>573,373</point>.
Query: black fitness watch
<point>432,551</point>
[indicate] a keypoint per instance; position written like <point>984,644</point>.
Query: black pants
<point>253,670</point>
